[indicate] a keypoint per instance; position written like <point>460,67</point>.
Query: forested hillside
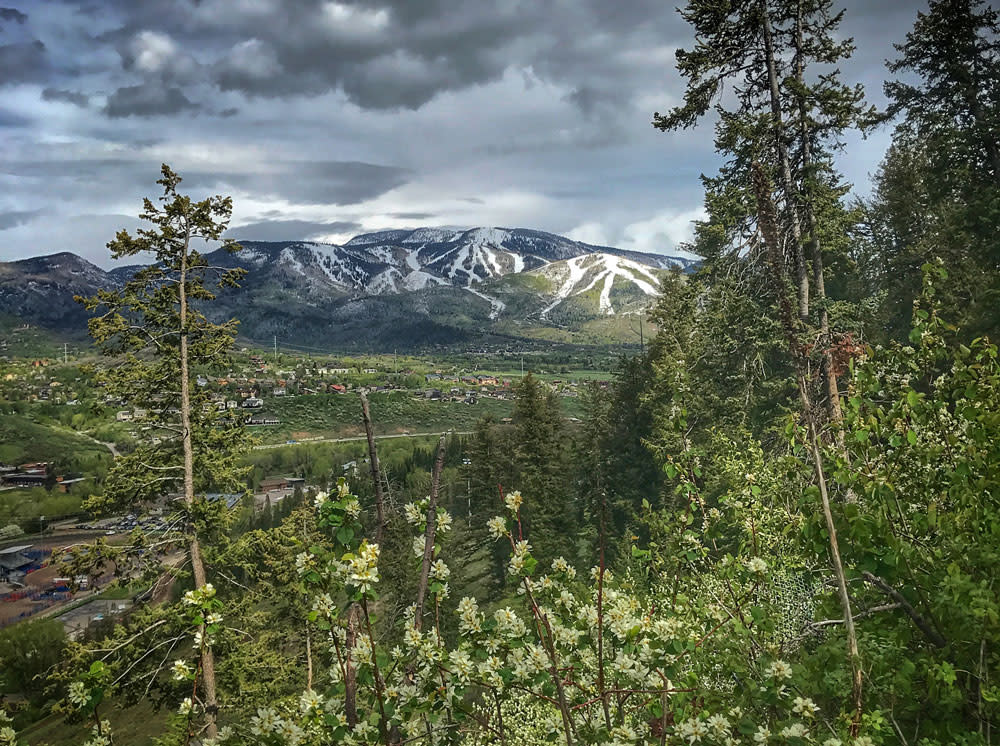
<point>779,523</point>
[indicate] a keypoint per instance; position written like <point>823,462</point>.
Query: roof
<point>15,550</point>
<point>14,561</point>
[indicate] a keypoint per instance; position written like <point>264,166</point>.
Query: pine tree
<point>788,111</point>
<point>156,332</point>
<point>937,194</point>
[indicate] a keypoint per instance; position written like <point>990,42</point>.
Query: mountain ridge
<point>401,285</point>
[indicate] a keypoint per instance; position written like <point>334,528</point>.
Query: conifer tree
<point>936,192</point>
<point>787,110</point>
<point>156,332</point>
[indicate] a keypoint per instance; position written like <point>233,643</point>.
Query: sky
<point>328,118</point>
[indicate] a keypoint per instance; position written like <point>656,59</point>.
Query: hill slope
<point>399,288</point>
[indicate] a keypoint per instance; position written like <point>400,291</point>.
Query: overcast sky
<point>326,119</point>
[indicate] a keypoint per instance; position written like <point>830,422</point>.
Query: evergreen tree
<point>158,334</point>
<point>540,449</point>
<point>937,194</point>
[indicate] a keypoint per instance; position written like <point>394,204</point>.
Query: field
<point>339,415</point>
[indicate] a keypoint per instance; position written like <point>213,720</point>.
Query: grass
<point>136,726</point>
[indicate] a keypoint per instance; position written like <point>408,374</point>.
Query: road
<point>362,438</point>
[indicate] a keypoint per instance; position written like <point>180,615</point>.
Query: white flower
<point>443,521</point>
<point>779,670</point>
<point>265,721</point>
<point>757,566</point>
<point>863,741</point>
<point>214,618</point>
<point>761,735</point>
<point>804,706</point>
<point>181,670</point>
<point>352,507</point>
<point>440,571</point>
<point>186,707</point>
<point>718,723</point>
<point>78,693</point>
<point>310,701</point>
<point>692,730</point>
<point>321,497</point>
<point>412,513</point>
<point>513,501</point>
<point>795,730</point>
<point>419,542</point>
<point>833,742</point>
<point>497,526</point>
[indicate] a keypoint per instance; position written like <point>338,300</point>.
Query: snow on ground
<point>496,306</point>
<point>575,273</point>
<point>609,267</point>
<point>418,280</point>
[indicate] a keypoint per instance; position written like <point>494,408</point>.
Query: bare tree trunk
<point>197,564</point>
<point>350,674</point>
<point>819,284</point>
<point>785,169</point>
<point>425,567</point>
<point>769,231</point>
<point>376,471</point>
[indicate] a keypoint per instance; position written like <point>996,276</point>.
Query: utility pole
<point>275,350</point>
<point>65,354</point>
<point>642,341</point>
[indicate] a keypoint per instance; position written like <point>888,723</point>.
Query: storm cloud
<point>330,117</point>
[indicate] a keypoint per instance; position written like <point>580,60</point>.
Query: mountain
<point>41,290</point>
<point>397,288</point>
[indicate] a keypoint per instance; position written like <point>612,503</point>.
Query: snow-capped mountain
<point>428,285</point>
<point>397,261</point>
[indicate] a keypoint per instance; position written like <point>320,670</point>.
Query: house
<point>14,563</point>
<point>231,500</point>
<point>64,484</point>
<point>432,394</point>
<point>369,370</point>
<point>253,403</point>
<point>258,420</point>
<point>272,484</point>
<point>279,391</point>
<point>20,479</point>
<point>339,388</point>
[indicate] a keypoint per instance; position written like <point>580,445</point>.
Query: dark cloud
<point>413,215</point>
<point>23,62</point>
<point>375,111</point>
<point>289,230</point>
<point>73,97</point>
<point>311,182</point>
<point>16,218</point>
<point>148,100</point>
<point>12,14</point>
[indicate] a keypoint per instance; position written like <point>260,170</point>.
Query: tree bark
<point>376,471</point>
<point>785,169</point>
<point>819,284</point>
<point>425,567</point>
<point>197,564</point>
<point>768,225</point>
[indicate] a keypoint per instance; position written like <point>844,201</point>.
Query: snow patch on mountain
<point>572,277</point>
<point>496,306</point>
<point>418,280</point>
